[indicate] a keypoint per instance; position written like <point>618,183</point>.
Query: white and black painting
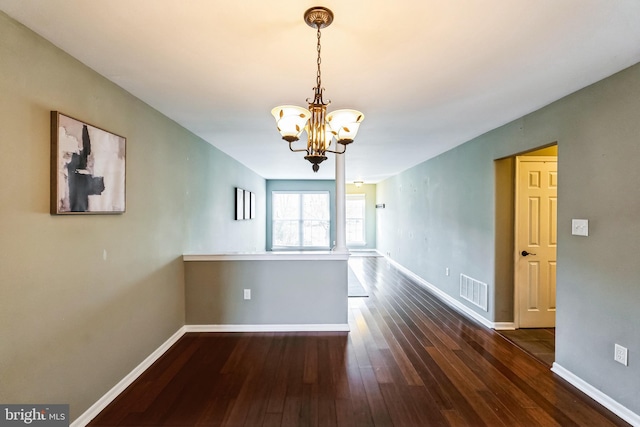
<point>87,168</point>
<point>239,203</point>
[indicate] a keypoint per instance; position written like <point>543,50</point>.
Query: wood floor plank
<point>291,412</point>
<point>311,360</point>
<point>376,359</point>
<point>360,410</point>
<point>344,413</point>
<point>272,420</point>
<point>409,360</point>
<point>409,373</point>
<point>278,390</point>
<point>377,404</point>
<point>399,410</point>
<point>338,363</point>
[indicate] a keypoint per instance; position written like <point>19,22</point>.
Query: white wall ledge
<point>270,256</point>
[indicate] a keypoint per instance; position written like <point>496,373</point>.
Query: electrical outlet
<point>247,294</point>
<point>620,355</point>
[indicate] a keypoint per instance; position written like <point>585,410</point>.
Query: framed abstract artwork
<point>239,203</point>
<point>88,168</point>
<point>247,204</point>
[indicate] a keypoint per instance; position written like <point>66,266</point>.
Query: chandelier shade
<point>345,124</point>
<point>291,121</point>
<point>320,127</point>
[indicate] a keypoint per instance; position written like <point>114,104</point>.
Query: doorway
<point>507,255</point>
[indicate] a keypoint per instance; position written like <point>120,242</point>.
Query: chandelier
<point>321,127</point>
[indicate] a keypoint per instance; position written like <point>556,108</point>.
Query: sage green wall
<point>369,191</point>
<point>212,178</point>
<point>442,213</point>
<point>74,322</point>
<point>282,292</point>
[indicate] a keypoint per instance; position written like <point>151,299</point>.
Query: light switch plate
<point>580,227</point>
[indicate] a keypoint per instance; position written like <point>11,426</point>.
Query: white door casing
<point>536,241</point>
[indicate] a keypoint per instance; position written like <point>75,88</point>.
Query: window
<point>300,219</point>
<point>355,219</point>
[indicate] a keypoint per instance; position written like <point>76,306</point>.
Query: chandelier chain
<point>319,48</point>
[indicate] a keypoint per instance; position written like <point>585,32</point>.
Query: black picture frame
<point>239,204</point>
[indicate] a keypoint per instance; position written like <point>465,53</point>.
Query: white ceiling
<point>428,74</point>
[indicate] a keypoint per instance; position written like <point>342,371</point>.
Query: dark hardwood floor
<point>408,361</point>
<point>539,342</point>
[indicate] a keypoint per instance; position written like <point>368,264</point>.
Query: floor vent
<point>473,291</point>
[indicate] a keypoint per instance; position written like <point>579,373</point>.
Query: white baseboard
<point>102,403</point>
<point>446,298</point>
<point>504,326</point>
<point>621,411</point>
<point>337,327</point>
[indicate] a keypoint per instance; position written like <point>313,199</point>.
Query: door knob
<point>525,253</point>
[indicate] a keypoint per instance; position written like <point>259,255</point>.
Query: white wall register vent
<point>474,291</point>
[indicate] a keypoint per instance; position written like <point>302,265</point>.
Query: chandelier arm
<point>337,152</point>
<point>298,150</point>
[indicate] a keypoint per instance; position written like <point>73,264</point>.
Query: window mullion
<point>301,222</point>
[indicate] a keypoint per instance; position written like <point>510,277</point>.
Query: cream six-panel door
<point>536,241</point>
